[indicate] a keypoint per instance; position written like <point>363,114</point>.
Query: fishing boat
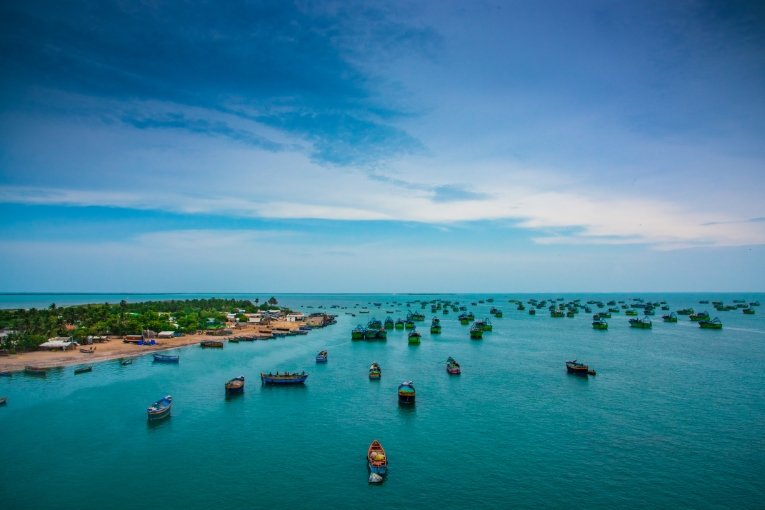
<point>389,324</point>
<point>88,350</point>
<point>685,311</point>
<point>3,400</point>
<point>572,367</point>
<point>701,316</point>
<point>321,357</point>
<point>435,326</point>
<point>713,324</point>
<point>406,393</point>
<point>556,314</point>
<point>409,324</point>
<point>414,337</point>
<point>476,331</point>
<point>464,319</point>
<point>211,344</point>
<point>452,366</point>
<point>126,362</point>
<point>631,313</point>
<point>599,324</point>
<point>748,311</point>
<point>36,371</point>
<point>166,358</point>
<point>284,379</point>
<point>644,323</point>
<point>235,386</point>
<point>399,324</point>
<point>234,340</point>
<point>670,317</point>
<point>532,311</point>
<point>358,333</point>
<point>377,462</point>
<point>160,409</point>
<point>375,372</point>
<point>82,370</point>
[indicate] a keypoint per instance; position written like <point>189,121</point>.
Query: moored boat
<point>452,366</point>
<point>358,333</point>
<point>235,386</point>
<point>573,367</point>
<point>389,324</point>
<point>321,357</point>
<point>285,378</point>
<point>211,344</point>
<point>406,393</point>
<point>701,316</point>
<point>160,409</point>
<point>670,317</point>
<point>399,324</point>
<point>36,370</point>
<point>435,326</point>
<point>476,331</point>
<point>711,324</point>
<point>3,400</point>
<point>644,323</point>
<point>375,372</point>
<point>599,324</point>
<point>82,370</point>
<point>377,461</point>
<point>486,325</point>
<point>166,358</point>
<point>414,337</point>
<point>126,362</point>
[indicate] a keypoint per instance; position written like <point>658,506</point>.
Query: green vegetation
<point>32,327</point>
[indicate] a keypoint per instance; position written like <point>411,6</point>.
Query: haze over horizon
<point>382,147</point>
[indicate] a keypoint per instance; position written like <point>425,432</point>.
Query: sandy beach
<point>115,348</point>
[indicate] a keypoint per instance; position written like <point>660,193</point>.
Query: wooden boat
<point>644,323</point>
<point>414,337</point>
<point>631,313</point>
<point>211,344</point>
<point>126,362</point>
<point>409,324</point>
<point>748,311</point>
<point>375,372</point>
<point>486,325</point>
<point>36,371</point>
<point>235,386</point>
<point>389,324</point>
<point>713,324</point>
<point>685,311</point>
<point>166,358</point>
<point>435,326</point>
<point>452,366</point>
<point>283,379</point>
<point>377,461</point>
<point>532,311</point>
<point>160,409</point>
<point>88,350</point>
<point>572,367</point>
<point>399,324</point>
<point>701,316</point>
<point>406,393</point>
<point>464,319</point>
<point>556,314</point>
<point>234,340</point>
<point>321,357</point>
<point>476,331</point>
<point>599,324</point>
<point>82,370</point>
<point>671,317</point>
<point>3,400</point>
<point>358,333</point>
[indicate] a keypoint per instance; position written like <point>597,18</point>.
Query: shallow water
<point>675,416</point>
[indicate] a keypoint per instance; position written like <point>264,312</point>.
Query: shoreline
<point>115,348</point>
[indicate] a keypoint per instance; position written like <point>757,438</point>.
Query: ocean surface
<point>674,418</point>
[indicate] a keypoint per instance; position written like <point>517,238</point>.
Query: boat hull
<point>283,380</point>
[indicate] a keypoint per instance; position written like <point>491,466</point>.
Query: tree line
<point>30,327</point>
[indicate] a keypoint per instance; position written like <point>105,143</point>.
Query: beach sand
<point>115,348</point>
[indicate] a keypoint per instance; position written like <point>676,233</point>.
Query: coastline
<point>115,348</point>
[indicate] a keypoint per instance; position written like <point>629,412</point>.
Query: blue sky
<point>382,147</point>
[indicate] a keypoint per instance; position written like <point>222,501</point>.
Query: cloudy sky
<point>385,147</point>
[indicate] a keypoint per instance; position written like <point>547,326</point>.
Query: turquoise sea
<point>674,418</point>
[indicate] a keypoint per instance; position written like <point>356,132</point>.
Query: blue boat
<point>166,358</point>
<point>321,357</point>
<point>285,378</point>
<point>160,409</point>
<point>377,462</point>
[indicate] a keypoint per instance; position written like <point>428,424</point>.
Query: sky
<point>430,146</point>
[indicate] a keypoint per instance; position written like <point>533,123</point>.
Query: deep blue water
<point>675,417</point>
